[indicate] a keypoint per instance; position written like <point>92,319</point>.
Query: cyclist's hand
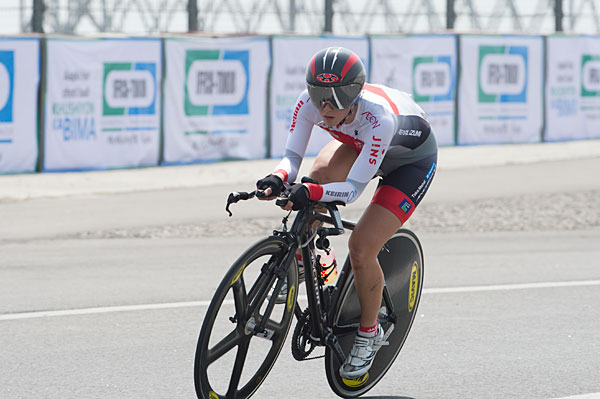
<point>272,186</point>
<point>298,196</point>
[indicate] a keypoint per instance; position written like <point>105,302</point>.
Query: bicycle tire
<point>402,264</point>
<point>211,378</point>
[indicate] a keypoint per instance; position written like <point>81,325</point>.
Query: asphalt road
<point>116,315</point>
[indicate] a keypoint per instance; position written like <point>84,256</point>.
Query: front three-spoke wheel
<point>244,330</point>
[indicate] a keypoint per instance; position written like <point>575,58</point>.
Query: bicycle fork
<point>279,272</point>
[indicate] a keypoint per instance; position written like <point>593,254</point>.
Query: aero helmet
<point>335,75</point>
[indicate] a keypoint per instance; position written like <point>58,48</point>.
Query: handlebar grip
<point>281,201</point>
<point>307,179</point>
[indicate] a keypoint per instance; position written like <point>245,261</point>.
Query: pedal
<point>388,333</point>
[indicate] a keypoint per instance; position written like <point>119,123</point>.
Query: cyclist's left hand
<point>298,196</point>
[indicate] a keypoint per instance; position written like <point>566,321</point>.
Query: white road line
<point>172,305</point>
<point>507,287</point>
<point>584,396</point>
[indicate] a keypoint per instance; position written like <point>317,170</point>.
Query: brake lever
<point>236,197</point>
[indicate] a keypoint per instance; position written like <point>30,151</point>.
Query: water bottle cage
<point>325,270</point>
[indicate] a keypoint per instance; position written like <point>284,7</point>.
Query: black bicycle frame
<point>301,236</point>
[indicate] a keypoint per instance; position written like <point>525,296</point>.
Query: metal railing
<point>344,17</point>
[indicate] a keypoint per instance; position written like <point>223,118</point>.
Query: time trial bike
<point>246,324</point>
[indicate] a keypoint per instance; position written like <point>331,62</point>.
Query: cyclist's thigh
<point>333,162</point>
<point>403,189</point>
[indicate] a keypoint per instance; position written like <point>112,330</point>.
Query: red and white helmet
<point>336,76</point>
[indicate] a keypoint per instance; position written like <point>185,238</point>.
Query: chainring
<point>302,343</point>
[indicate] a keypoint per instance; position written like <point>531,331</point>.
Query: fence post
<point>328,16</point>
<point>558,15</point>
<point>37,16</point>
<point>192,9</point>
<point>450,15</point>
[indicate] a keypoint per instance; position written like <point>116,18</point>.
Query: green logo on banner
<point>417,82</point>
<point>432,78</point>
<point>108,68</point>
<point>502,74</point>
<point>216,82</point>
<point>590,75</point>
<point>129,88</point>
<point>192,56</point>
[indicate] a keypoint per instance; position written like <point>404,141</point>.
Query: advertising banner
<point>102,107</point>
<point>500,89</point>
<point>425,67</point>
<point>19,84</point>
<point>291,55</point>
<point>215,99</point>
<point>573,88</point>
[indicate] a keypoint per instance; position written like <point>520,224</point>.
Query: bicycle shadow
<point>387,397</point>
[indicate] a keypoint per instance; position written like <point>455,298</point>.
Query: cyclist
<point>378,132</point>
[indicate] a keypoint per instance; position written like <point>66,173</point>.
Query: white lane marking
<point>584,396</point>
<point>172,305</point>
<point>506,287</point>
<point>106,309</point>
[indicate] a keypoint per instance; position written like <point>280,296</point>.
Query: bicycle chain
<point>301,338</point>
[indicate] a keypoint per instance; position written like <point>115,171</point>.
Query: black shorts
<point>402,189</point>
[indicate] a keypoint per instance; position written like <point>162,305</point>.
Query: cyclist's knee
<point>360,255</point>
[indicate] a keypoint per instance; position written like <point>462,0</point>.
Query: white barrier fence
<point>102,103</point>
<point>19,84</point>
<point>573,88</point>
<point>111,103</point>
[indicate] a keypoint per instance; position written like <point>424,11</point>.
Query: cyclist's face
<point>332,116</point>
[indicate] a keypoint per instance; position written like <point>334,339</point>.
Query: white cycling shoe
<point>361,356</point>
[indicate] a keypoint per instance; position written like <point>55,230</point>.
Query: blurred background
<point>339,17</point>
<point>102,84</point>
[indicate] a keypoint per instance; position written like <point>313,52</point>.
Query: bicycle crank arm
<point>334,344</point>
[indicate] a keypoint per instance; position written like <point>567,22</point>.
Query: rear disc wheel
<point>401,260</point>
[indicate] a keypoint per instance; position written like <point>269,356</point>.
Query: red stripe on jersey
<point>394,201</point>
<point>283,172</point>
<point>312,65</point>
<point>346,139</point>
<point>379,91</point>
<point>349,63</point>
<point>316,191</point>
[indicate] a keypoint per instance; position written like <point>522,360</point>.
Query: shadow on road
<point>387,397</point>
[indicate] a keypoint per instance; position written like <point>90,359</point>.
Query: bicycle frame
<point>321,307</point>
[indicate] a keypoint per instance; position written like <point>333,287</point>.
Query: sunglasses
<point>339,97</point>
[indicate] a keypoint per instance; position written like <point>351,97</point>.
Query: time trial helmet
<point>336,76</point>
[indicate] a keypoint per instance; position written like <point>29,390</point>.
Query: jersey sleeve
<point>303,120</point>
<point>364,168</point>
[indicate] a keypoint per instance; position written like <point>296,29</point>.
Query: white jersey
<point>389,130</point>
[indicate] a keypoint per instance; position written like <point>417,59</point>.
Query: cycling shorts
<point>402,189</point>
